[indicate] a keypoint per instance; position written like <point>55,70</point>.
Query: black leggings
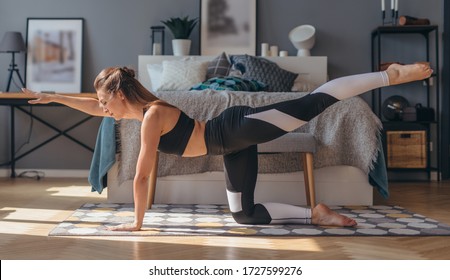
<point>236,132</point>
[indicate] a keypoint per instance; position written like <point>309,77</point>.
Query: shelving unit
<point>432,128</point>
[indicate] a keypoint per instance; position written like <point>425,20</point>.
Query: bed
<point>348,162</point>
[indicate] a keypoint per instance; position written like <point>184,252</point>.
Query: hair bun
<point>128,71</point>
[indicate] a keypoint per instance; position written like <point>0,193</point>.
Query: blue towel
<point>104,155</point>
<point>378,175</point>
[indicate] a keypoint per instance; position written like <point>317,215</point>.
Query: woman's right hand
<point>39,98</point>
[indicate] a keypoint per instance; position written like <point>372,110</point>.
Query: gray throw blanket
<point>346,133</point>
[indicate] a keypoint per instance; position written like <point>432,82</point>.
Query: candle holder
<point>157,43</point>
<point>383,18</point>
<point>394,13</point>
<point>393,20</point>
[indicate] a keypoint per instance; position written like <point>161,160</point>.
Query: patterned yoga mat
<point>203,220</point>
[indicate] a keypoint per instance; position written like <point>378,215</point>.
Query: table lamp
<point>13,43</point>
<point>303,38</point>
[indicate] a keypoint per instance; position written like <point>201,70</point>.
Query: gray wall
<point>117,31</point>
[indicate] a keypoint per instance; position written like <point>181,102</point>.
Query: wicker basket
<point>406,149</point>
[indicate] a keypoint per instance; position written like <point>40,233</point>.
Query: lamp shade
<point>12,42</point>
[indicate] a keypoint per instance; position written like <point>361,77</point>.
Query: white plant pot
<point>181,47</point>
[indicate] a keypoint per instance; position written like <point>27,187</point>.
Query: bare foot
<point>322,215</point>
<point>399,74</point>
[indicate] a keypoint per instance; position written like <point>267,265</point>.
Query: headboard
<point>315,67</point>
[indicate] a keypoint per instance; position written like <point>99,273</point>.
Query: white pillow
<point>182,75</point>
<point>302,83</point>
<point>155,74</point>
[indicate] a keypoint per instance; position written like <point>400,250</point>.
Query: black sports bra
<point>176,140</point>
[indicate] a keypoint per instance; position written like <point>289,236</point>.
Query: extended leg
<point>250,126</point>
<point>292,114</point>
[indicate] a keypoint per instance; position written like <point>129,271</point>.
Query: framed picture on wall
<point>227,25</point>
<point>54,54</point>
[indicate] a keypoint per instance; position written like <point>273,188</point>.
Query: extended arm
<point>85,104</point>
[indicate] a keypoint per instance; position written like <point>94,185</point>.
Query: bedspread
<point>347,133</point>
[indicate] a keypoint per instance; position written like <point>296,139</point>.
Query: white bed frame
<point>336,185</point>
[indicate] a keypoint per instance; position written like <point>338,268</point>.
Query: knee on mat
<point>255,218</point>
<point>241,218</point>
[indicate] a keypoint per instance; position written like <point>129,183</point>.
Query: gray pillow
<point>266,72</point>
<point>238,63</point>
<point>219,67</point>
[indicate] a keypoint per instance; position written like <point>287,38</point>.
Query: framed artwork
<point>227,26</point>
<point>54,54</point>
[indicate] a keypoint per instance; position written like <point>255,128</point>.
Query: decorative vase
<point>181,47</point>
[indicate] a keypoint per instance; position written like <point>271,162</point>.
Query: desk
<point>17,101</point>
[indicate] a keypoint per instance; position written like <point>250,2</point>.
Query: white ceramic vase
<point>181,47</point>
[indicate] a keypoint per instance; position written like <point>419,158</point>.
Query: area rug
<point>204,220</point>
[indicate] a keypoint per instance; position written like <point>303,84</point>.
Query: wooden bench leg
<point>308,168</point>
<point>152,183</point>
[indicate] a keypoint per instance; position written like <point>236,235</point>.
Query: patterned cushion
<point>219,67</point>
<point>238,63</point>
<point>181,75</point>
<point>265,71</point>
<point>230,83</point>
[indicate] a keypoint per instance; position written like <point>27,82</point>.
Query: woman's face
<point>112,104</point>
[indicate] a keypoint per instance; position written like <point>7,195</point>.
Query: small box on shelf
<point>406,149</point>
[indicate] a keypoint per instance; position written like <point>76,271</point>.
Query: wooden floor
<point>29,209</point>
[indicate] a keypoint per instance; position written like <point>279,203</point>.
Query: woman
<point>233,134</point>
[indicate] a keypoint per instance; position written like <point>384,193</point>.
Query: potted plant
<point>181,29</point>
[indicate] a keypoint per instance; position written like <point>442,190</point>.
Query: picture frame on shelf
<point>54,54</point>
<point>228,26</point>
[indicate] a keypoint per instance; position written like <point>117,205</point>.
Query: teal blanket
<point>104,155</point>
<point>378,174</point>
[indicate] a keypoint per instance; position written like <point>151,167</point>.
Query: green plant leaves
<point>181,28</point>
